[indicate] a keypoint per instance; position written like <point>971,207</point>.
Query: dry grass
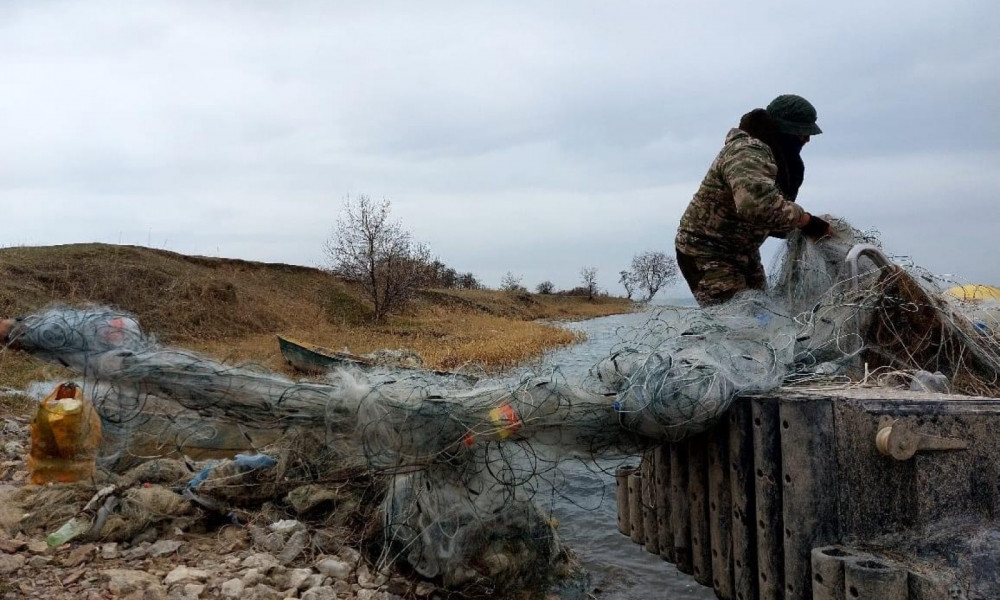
<point>232,308</point>
<point>445,341</point>
<point>180,298</point>
<point>17,370</point>
<point>449,329</point>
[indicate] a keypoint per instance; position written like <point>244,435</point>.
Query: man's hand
<point>814,228</point>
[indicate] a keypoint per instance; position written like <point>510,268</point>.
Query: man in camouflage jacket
<point>748,194</point>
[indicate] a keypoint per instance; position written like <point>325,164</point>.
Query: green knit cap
<point>793,115</point>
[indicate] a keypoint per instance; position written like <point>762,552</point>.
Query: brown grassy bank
<point>233,308</point>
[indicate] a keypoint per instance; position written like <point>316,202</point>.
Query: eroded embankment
<point>232,308</point>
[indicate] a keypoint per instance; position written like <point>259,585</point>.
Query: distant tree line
<point>370,248</point>
<point>588,276</point>
<point>440,275</point>
<point>649,272</point>
<point>589,288</point>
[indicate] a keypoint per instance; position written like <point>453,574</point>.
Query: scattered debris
<point>421,472</point>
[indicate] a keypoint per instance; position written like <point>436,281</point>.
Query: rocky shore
<point>183,559</point>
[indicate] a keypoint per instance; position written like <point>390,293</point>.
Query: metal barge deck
<point>838,494</point>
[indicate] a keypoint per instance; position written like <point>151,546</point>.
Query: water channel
<point>585,506</point>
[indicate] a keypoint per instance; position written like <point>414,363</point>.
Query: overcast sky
<point>524,136</point>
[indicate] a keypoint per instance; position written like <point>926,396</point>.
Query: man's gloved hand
<point>816,228</point>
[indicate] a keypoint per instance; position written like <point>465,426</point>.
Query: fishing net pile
<point>443,474</point>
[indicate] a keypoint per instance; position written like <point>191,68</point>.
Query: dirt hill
<point>182,298</point>
<point>233,307</point>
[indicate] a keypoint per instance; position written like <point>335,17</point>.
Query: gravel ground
<point>254,561</point>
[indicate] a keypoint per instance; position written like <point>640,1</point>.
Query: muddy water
<point>585,506</point>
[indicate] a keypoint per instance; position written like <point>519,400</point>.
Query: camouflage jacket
<point>738,203</point>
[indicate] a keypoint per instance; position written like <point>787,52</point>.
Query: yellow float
<point>973,293</point>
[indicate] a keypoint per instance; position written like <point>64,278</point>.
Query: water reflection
<point>585,503</point>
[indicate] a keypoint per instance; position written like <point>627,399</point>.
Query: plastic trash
<point>242,462</point>
<point>70,530</point>
<point>925,381</point>
<point>202,476</point>
<point>65,437</point>
<point>254,461</point>
<point>285,526</point>
<point>90,521</point>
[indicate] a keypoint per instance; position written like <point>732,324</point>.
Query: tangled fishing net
<point>441,475</point>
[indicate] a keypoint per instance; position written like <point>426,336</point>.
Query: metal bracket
<point>898,440</point>
<point>869,250</point>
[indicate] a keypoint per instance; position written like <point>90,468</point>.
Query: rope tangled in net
<point>455,467</point>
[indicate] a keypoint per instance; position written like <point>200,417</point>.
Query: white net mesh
<point>457,463</point>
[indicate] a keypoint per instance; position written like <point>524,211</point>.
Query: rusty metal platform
<point>792,498</point>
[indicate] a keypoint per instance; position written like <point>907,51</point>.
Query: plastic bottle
<point>65,437</point>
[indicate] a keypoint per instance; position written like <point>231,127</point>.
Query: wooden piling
<point>680,514</point>
<point>661,468</point>
<point>809,488</point>
<point>741,486</point>
<point>650,528</point>
<point>635,507</point>
<point>701,545</point>
<point>621,498</point>
<point>767,487</point>
<point>720,511</point>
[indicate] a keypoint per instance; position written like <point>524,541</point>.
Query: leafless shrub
<point>468,281</point>
<point>376,252</point>
<point>511,283</point>
<point>628,281</point>
<point>588,275</point>
<point>652,270</point>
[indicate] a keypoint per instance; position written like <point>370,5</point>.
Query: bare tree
<point>376,252</point>
<point>468,281</point>
<point>589,277</point>
<point>545,287</point>
<point>511,283</point>
<point>653,270</point>
<point>628,281</point>
<point>441,275</point>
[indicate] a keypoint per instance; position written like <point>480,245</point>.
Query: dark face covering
<point>786,150</point>
<point>791,169</point>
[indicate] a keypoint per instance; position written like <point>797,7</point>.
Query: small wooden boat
<point>310,358</point>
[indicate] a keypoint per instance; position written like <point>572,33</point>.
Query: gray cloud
<point>535,139</point>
